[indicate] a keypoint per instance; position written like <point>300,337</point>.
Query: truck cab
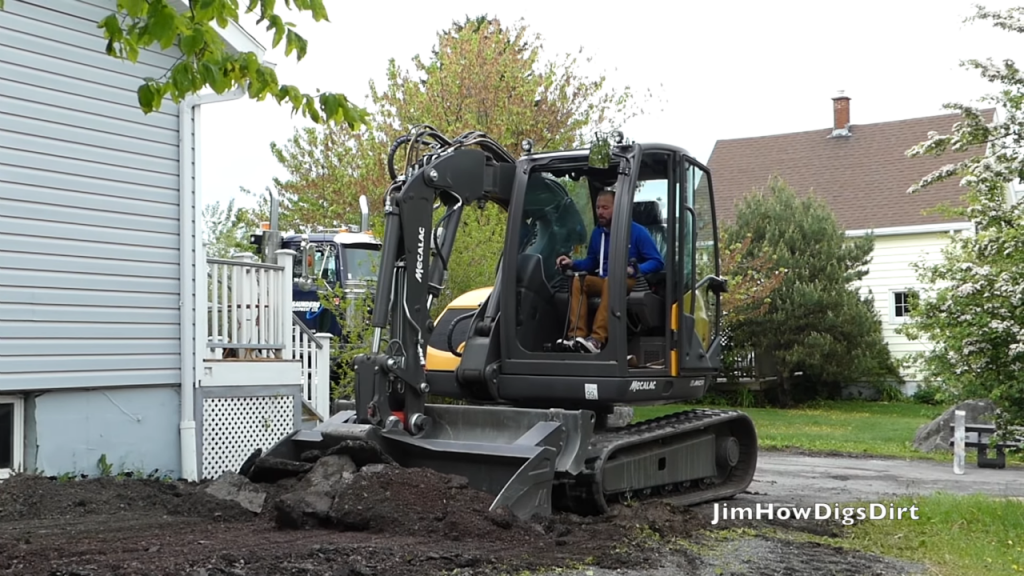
<point>345,259</point>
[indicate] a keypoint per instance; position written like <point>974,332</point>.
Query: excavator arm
<point>391,387</point>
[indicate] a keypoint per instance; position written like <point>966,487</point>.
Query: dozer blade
<point>521,455</point>
<point>512,454</point>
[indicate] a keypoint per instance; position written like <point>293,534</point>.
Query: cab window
<point>361,263</point>
<point>557,218</point>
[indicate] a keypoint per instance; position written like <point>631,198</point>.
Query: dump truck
<point>531,427</point>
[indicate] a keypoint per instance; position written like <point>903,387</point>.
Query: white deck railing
<point>249,317</point>
<point>314,352</point>
<point>250,307</point>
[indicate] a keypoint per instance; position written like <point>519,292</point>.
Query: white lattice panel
<point>234,427</point>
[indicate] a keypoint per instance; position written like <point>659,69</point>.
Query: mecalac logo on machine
<point>419,256</point>
<point>643,385</point>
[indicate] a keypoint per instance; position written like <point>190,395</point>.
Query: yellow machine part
<point>445,361</point>
<point>701,325</point>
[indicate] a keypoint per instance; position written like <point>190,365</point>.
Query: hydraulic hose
<point>451,331</point>
<point>394,150</point>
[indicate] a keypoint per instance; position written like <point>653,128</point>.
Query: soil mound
<point>345,494</point>
<point>390,499</point>
<point>29,497</point>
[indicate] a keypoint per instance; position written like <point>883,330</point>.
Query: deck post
<point>322,391</point>
<point>285,259</point>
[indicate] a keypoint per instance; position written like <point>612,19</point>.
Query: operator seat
<point>645,305</point>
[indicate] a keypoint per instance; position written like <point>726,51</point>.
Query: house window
<point>899,305</point>
<point>11,435</point>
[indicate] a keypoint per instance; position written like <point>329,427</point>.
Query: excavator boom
<point>534,429</point>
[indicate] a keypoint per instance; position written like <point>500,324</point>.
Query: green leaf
<point>163,24</point>
<point>295,42</point>
<point>147,97</point>
<point>133,8</point>
<point>191,42</point>
<point>275,23</point>
<point>311,111</point>
<point>318,10</point>
<point>331,105</point>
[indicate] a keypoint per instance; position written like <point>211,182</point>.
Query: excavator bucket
<point>513,454</point>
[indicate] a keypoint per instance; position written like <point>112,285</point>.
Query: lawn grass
<point>847,427</point>
<point>956,535</point>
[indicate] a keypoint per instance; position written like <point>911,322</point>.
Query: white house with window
<point>862,172</point>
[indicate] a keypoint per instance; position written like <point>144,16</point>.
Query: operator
<point>641,248</point>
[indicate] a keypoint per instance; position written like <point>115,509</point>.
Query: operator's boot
<point>589,345</point>
<point>567,345</point>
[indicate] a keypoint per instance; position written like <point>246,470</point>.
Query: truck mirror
<point>308,260</point>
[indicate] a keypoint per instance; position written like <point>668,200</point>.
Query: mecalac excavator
<point>532,427</point>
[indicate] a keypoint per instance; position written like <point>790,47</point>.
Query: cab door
<point>697,314</point>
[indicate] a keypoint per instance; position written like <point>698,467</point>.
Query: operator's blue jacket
<point>641,247</point>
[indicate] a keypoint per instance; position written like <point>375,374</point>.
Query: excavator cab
<point>663,344</point>
<point>530,425</point>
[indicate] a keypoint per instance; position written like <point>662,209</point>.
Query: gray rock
<point>232,486</point>
<point>935,435</point>
<point>328,475</point>
<point>302,509</point>
<point>375,468</point>
<point>311,501</point>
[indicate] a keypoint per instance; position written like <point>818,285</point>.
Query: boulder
<point>310,502</point>
<point>231,486</point>
<point>935,435</point>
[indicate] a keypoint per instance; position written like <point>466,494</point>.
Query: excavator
<point>530,422</point>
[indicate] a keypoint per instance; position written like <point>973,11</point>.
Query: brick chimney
<point>840,115</point>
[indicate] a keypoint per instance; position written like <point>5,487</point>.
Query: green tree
<point>226,229</point>
<point>205,60</point>
<point>483,76</point>
<point>815,322</point>
<point>973,316</point>
<point>753,277</point>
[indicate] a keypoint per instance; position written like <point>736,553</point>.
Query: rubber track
<point>606,443</point>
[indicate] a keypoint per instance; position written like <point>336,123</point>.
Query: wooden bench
<point>977,436</point>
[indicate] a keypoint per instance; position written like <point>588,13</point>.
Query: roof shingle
<point>863,177</point>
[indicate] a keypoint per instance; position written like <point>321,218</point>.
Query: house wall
<point>89,240</point>
<point>73,429</point>
<point>890,271</point>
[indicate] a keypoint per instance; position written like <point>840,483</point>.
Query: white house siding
<point>89,238</point>
<point>890,271</point>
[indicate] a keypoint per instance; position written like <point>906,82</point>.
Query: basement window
<point>12,439</point>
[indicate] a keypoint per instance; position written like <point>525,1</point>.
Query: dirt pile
<point>36,498</point>
<point>340,517</point>
<point>334,518</point>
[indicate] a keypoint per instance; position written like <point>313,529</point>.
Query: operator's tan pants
<point>592,286</point>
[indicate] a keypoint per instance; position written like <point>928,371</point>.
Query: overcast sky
<point>720,69</point>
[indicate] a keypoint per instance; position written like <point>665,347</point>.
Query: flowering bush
<point>974,318</point>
